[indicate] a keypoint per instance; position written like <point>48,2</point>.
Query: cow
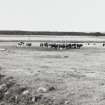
<point>20,44</point>
<point>28,44</point>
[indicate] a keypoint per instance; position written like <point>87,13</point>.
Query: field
<point>78,75</point>
<point>66,77</point>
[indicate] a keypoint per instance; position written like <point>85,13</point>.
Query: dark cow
<point>103,44</point>
<point>79,45</point>
<point>41,44</point>
<point>68,46</point>
<point>28,44</point>
<point>54,46</point>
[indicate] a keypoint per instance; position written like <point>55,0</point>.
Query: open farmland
<point>76,75</point>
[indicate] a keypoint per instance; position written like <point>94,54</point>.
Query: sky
<point>53,15</point>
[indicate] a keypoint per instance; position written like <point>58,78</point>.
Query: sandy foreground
<point>56,77</point>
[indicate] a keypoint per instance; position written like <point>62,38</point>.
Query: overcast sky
<point>53,15</point>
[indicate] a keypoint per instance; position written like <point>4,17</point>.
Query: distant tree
<point>98,33</point>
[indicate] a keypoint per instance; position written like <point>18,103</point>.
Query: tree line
<point>6,32</point>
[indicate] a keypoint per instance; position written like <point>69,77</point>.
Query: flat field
<point>77,74</point>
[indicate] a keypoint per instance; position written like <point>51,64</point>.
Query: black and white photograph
<point>52,52</point>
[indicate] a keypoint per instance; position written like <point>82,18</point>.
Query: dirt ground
<point>77,75</point>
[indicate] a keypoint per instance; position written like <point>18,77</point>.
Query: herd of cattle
<point>61,45</point>
<point>54,45</point>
